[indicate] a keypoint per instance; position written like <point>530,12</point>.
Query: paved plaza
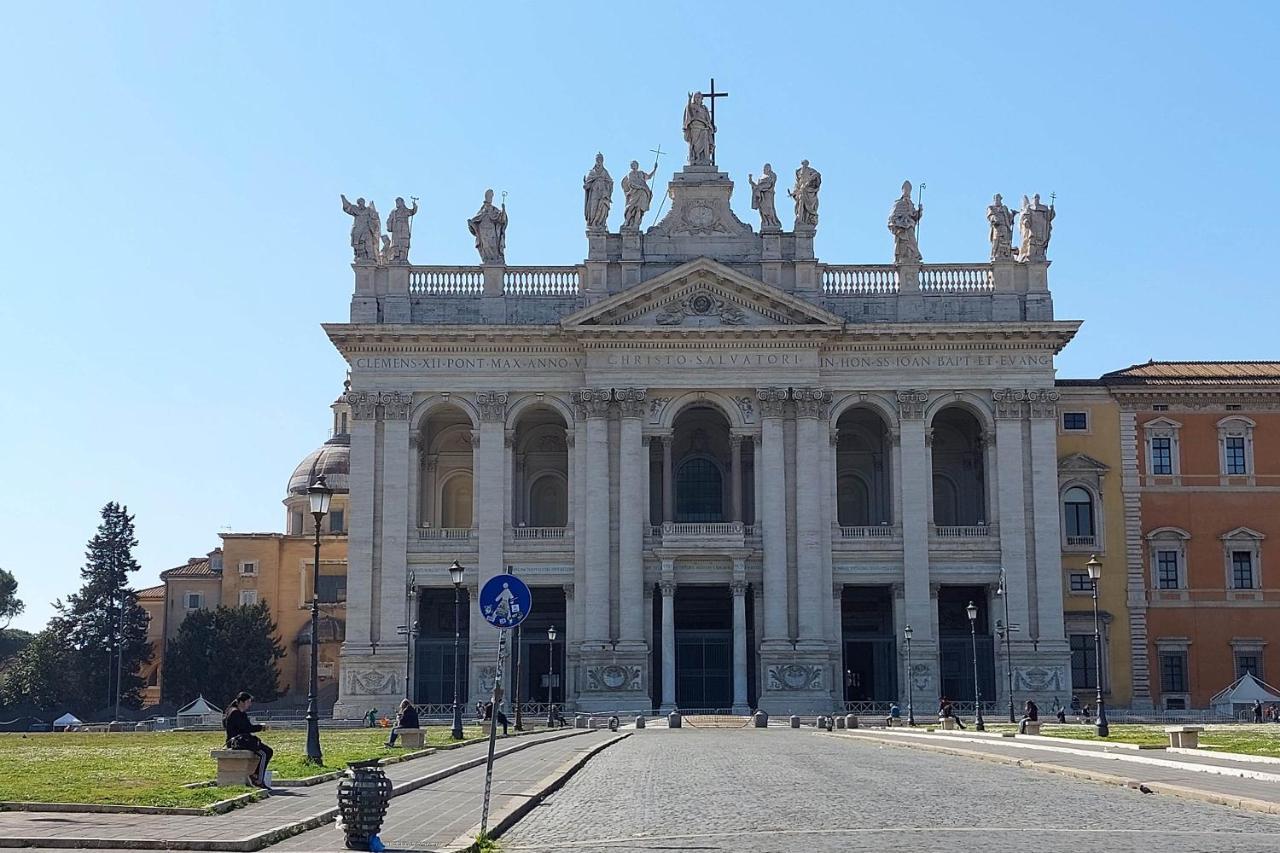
<point>778,791</point>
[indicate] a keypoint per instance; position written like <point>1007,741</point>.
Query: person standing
<point>1257,710</point>
<point>241,734</point>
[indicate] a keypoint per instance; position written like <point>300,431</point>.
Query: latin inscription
<point>941,360</point>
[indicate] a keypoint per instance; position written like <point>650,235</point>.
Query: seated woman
<point>240,735</point>
<point>407,718</point>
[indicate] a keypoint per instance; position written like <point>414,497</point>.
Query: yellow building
<point>1091,503</point>
<point>152,601</point>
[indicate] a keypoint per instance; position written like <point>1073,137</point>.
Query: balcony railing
<point>449,533</point>
<point>538,533</point>
<point>1081,540</point>
<point>877,531</point>
<point>516,281</point>
<point>861,280</point>
<point>703,528</point>
<point>446,281</point>
<point>961,531</point>
<point>956,278</point>
<point>540,281</point>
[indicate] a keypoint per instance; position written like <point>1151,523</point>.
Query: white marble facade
<point>827,428</point>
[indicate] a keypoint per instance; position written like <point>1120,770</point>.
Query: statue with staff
<point>597,190</point>
<point>635,186</point>
<point>1036,226</point>
<point>1000,231</point>
<point>699,131</point>
<point>489,227</point>
<point>903,220</point>
<point>805,193</point>
<point>400,225</point>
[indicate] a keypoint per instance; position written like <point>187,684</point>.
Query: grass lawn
<point>150,768</point>
<point>1248,739</point>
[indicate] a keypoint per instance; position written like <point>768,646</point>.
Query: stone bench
<point>1030,727</point>
<point>1184,737</point>
<point>948,723</point>
<point>890,722</point>
<point>235,766</point>
<point>412,738</point>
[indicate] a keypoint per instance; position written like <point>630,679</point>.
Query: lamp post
<point>978,722</point>
<point>319,495</point>
<point>551,676</point>
<point>1003,592</point>
<point>455,574</point>
<point>911,692</point>
<point>1095,573</point>
<point>410,632</point>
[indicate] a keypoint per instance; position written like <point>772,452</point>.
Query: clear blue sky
<point>172,237</point>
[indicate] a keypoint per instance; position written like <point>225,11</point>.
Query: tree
<point>42,674</point>
<point>10,605</point>
<point>218,653</point>
<point>103,622</point>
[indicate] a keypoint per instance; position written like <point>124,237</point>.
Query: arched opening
<point>703,467</point>
<point>959,470</point>
<point>699,490</point>
<point>1078,515</point>
<point>863,496</point>
<point>540,473</point>
<point>446,494</point>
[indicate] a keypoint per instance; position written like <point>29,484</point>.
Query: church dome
<point>332,459</point>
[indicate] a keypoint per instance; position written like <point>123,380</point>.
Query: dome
<point>332,459</point>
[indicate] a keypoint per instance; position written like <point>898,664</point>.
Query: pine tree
<point>40,675</point>
<point>103,623</point>
<point>218,653</point>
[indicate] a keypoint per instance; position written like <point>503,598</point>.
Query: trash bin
<point>363,795</point>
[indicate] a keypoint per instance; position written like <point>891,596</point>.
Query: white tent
<point>199,713</point>
<point>1240,696</point>
<point>66,721</point>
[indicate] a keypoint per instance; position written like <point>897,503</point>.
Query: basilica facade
<point>734,475</point>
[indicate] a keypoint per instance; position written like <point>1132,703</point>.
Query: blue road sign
<point>505,601</point>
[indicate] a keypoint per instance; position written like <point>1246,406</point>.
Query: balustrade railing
<point>956,278</point>
<point>450,533</point>
<point>1080,540</point>
<point>961,531</point>
<point>861,280</point>
<point>878,531</point>
<point>540,281</point>
<point>703,528</point>
<point>538,532</point>
<point>446,281</point>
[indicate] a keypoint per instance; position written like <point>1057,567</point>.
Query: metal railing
<point>451,533</point>
<point>1081,540</point>
<point>446,281</point>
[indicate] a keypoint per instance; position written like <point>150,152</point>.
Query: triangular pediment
<point>1081,462</point>
<point>703,294</point>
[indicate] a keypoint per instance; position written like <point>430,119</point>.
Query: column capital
<point>667,586</point>
<point>911,404</point>
<point>631,401</point>
<point>568,590</point>
<point>773,401</point>
<point>368,405</point>
<point>568,438</point>
<point>735,440</point>
<point>812,402</point>
<point>493,406</point>
<point>592,402</point>
<point>1043,402</point>
<point>1009,403</point>
<point>738,588</point>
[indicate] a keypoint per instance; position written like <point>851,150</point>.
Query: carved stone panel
<point>795,676</point>
<point>1039,679</point>
<point>372,682</point>
<point>613,677</point>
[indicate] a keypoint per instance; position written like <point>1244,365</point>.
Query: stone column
<point>668,488</point>
<point>572,488</point>
<point>1047,588</point>
<point>913,486</point>
<point>511,482</point>
<point>360,524</point>
<point>739,588</point>
<point>1010,409</point>
<point>812,443</point>
<point>756,481</point>
<point>668,587</point>
<point>735,449</point>
<point>595,405</point>
<point>773,514</point>
<point>394,519</point>
<point>631,476</point>
<point>414,493</point>
<point>569,638</point>
<point>489,481</point>
<point>428,518</point>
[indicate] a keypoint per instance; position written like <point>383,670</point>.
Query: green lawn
<point>150,768</point>
<point>1248,739</point>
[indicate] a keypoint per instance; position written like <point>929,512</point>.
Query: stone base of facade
<point>610,681</point>
<point>796,682</point>
<point>370,681</point>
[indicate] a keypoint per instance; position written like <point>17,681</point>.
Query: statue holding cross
<point>700,126</point>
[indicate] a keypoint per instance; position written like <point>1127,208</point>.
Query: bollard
<point>673,720</point>
<point>795,721</point>
<point>613,723</point>
<point>851,722</point>
<point>830,723</point>
<point>640,722</point>
<point>761,720</point>
<point>839,722</point>
<point>580,721</point>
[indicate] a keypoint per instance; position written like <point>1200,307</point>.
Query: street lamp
<point>410,630</point>
<point>1003,592</point>
<point>978,722</point>
<point>455,574</point>
<point>319,495</point>
<point>911,693</point>
<point>551,676</point>
<point>1095,572</point>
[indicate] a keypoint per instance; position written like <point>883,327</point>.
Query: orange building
<point>1200,444</point>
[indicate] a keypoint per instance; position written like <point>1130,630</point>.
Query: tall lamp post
<point>551,676</point>
<point>978,722</point>
<point>410,632</point>
<point>455,574</point>
<point>1095,573</point>
<point>1003,592</point>
<point>319,495</point>
<point>911,692</point>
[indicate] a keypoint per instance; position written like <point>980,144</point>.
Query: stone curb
<point>1226,756</point>
<point>270,836</point>
<point>1246,803</point>
<point>528,800</point>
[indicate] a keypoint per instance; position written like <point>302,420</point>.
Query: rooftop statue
<point>636,188</point>
<point>1036,227</point>
<point>805,193</point>
<point>762,194</point>
<point>1000,220</point>
<point>597,189</point>
<point>699,131</point>
<point>400,224</point>
<point>489,226</point>
<point>903,220</point>
<point>366,228</point>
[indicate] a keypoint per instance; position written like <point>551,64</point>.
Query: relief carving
<point>794,676</point>
<point>701,304</point>
<point>375,682</point>
<point>613,677</point>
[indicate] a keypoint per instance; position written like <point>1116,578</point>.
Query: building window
<point>295,523</point>
<point>193,600</point>
<point>248,567</point>
<point>1159,407</point>
<point>1084,661</point>
<point>1162,456</point>
<point>332,589</point>
<point>1242,570</point>
<point>1080,582</point>
<point>1078,509</point>
<point>336,521</point>
<point>1167,570</point>
<point>1173,672</point>
<point>1248,663</point>
<point>1235,463</point>
<point>1074,421</point>
<point>1235,438</point>
<point>248,597</point>
<point>699,491</point>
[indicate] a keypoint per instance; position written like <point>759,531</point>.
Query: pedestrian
<point>502,718</point>
<point>895,715</point>
<point>1030,714</point>
<point>407,718</point>
<point>241,735</point>
<point>371,718</point>
<point>1075,704</point>
<point>1257,710</point>
<point>1062,715</point>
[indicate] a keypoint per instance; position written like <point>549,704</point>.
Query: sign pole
<point>493,731</point>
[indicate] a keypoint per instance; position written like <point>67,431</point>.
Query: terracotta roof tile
<point>1197,373</point>
<point>152,592</point>
<point>195,567</point>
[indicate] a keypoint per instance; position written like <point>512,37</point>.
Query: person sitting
<point>502,718</point>
<point>1062,715</point>
<point>1030,714</point>
<point>895,715</point>
<point>407,718</point>
<point>240,735</point>
<point>945,711</point>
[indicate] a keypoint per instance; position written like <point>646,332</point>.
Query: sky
<point>173,237</point>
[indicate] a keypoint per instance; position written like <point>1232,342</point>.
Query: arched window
<point>1078,516</point>
<point>455,501</point>
<point>853,505</point>
<point>699,491</point>
<point>946,504</point>
<point>548,502</point>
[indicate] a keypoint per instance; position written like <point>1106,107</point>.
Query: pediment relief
<point>699,294</point>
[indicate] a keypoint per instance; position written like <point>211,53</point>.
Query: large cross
<point>712,95</point>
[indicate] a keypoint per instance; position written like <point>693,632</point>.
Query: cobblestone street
<point>779,791</point>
